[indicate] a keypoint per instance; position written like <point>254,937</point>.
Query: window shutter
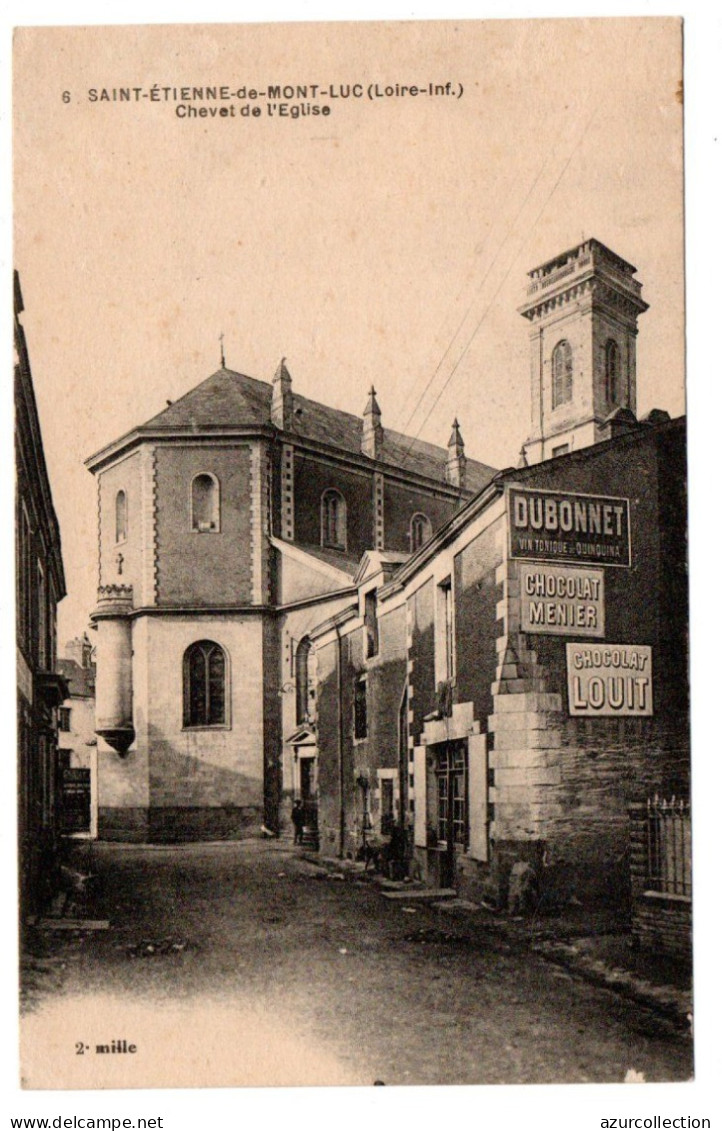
<point>478,797</point>
<point>420,796</point>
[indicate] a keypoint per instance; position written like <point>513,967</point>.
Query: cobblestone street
<point>243,963</point>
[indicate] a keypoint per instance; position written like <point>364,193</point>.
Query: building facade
<point>77,741</point>
<point>503,697</point>
<point>40,585</point>
<point>227,527</point>
<point>509,691</point>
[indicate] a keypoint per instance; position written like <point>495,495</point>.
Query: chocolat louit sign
<point>558,526</point>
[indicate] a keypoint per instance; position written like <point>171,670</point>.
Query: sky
<point>386,243</point>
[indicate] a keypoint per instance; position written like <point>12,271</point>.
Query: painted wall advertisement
<point>562,600</point>
<point>609,679</point>
<point>566,527</point>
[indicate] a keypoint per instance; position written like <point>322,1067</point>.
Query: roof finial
<point>372,437</point>
<point>223,355</point>
<point>455,457</point>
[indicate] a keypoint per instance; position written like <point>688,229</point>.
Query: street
<point>245,964</point>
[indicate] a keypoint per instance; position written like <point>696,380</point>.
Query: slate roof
<point>80,681</point>
<point>347,563</point>
<point>228,400</point>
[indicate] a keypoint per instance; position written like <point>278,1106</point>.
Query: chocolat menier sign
<point>559,526</point>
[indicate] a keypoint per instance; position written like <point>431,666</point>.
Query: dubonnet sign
<point>609,679</point>
<point>565,527</point>
<point>562,600</point>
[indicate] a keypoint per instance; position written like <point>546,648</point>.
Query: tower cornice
<point>589,266</point>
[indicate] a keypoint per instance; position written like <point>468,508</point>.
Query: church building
<point>486,668</point>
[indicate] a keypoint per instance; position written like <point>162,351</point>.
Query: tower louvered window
<point>612,372</point>
<point>562,374</point>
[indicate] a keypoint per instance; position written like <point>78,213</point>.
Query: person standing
<point>297,818</point>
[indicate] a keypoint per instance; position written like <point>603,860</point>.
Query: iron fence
<point>669,846</point>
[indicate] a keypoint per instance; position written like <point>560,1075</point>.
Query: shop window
<point>562,374</point>
<point>204,685</point>
<point>205,504</point>
<point>360,713</point>
<point>420,532</point>
<point>121,516</point>
<point>333,520</point>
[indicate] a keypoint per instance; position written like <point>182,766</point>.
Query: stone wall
<point>211,568</point>
<point>179,783</point>
<point>401,503</point>
<point>313,476</point>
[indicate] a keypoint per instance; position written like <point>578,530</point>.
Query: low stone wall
<point>660,921</point>
<point>663,923</point>
<point>177,825</point>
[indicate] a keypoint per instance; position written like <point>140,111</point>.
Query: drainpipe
<point>341,804</point>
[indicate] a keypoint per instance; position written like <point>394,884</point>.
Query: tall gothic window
<point>204,685</point>
<point>612,372</point>
<point>333,520</point>
<point>205,504</point>
<point>562,383</point>
<point>121,516</point>
<point>420,531</point>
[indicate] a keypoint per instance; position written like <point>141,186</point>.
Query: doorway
<point>452,807</point>
<point>308,789</point>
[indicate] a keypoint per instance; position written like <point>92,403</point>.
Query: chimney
<point>79,649</point>
<point>455,458</point>
<point>619,422</point>
<point>282,399</point>
<point>373,434</point>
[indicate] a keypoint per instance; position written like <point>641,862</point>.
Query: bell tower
<point>582,308</point>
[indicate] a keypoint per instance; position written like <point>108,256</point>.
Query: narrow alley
<point>245,964</point>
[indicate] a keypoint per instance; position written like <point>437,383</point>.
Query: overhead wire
<point>476,294</point>
<point>492,300</point>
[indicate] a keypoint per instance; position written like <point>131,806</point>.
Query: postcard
<point>352,592</point>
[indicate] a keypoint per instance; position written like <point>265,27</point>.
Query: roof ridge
<point>228,398</point>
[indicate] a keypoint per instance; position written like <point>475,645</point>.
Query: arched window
<point>419,531</point>
<point>121,516</point>
<point>612,372</point>
<point>333,520</point>
<point>205,509</point>
<point>204,685</point>
<point>562,383</point>
<point>305,673</point>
